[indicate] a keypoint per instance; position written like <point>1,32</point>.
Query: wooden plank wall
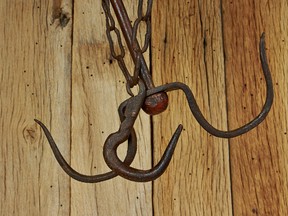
<point>55,65</point>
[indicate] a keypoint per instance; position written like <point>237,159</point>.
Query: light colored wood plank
<point>259,159</point>
<point>187,47</point>
<point>35,66</point>
<point>35,78</point>
<point>98,88</point>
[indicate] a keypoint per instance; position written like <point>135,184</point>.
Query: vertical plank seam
<point>71,91</point>
<point>151,125</point>
<point>226,100</point>
<point>203,34</point>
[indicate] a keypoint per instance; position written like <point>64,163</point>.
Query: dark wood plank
<point>187,47</point>
<point>259,158</point>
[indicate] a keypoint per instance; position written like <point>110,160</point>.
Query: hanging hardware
<point>153,100</point>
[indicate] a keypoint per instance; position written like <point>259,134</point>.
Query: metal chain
<point>143,18</point>
<point>110,27</point>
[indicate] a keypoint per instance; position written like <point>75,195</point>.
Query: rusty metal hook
<point>132,107</point>
<point>157,100</point>
<point>131,152</point>
<point>128,112</point>
<point>114,140</point>
<point>152,100</point>
<point>195,110</point>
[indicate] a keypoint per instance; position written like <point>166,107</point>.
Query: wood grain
<point>55,65</point>
<point>187,47</point>
<point>35,70</point>
<point>98,88</point>
<point>258,158</point>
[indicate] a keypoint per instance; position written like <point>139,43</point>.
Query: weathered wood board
<point>56,66</point>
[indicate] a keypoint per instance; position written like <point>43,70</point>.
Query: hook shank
<point>198,114</point>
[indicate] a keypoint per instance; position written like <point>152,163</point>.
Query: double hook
<point>152,100</point>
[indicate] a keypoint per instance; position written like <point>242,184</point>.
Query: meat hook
<point>128,112</point>
<point>195,110</point>
<point>131,111</point>
<point>111,145</point>
<point>157,100</point>
<point>153,100</point>
<point>131,152</point>
<point>132,107</point>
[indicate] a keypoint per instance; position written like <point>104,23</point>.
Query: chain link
<point>143,18</point>
<point>111,27</point>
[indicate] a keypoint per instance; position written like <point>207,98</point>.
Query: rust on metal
<point>153,100</point>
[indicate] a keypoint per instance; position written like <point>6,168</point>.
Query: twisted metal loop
<point>132,107</point>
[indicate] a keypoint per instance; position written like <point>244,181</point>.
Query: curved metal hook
<point>198,114</point>
<point>132,107</point>
<point>131,152</point>
<point>128,112</point>
<point>133,174</point>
